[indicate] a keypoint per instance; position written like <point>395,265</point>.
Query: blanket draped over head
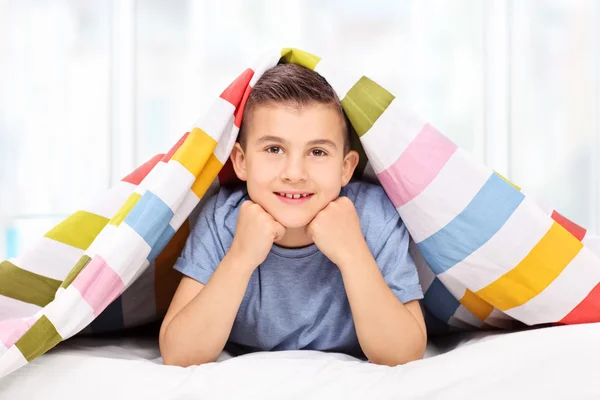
<point>488,255</point>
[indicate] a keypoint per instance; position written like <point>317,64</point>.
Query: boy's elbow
<point>392,360</point>
<point>180,357</point>
<point>184,360</point>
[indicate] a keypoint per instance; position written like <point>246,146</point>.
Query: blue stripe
<point>439,301</point>
<point>162,242</point>
<point>434,326</point>
<point>149,217</point>
<point>111,319</point>
<point>480,220</point>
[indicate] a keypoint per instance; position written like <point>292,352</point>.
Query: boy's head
<point>294,140</point>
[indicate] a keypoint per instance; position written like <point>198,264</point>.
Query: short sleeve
<point>202,252</point>
<point>396,263</point>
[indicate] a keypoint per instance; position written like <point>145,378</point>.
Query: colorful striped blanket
<point>488,255</point>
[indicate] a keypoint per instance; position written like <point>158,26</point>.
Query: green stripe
<point>300,57</point>
<point>364,103</point>
<point>40,338</point>
<point>79,230</point>
<point>26,286</point>
<point>83,261</point>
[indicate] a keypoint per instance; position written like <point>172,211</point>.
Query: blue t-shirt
<point>296,298</point>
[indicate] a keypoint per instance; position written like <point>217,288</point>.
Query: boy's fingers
<point>278,230</point>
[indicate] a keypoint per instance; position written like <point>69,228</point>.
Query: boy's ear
<point>350,163</point>
<point>238,159</point>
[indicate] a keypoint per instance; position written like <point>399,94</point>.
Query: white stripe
<point>463,314</point>
<point>102,241</point>
<point>139,306</point>
<point>225,145</point>
<point>173,184</point>
<point>426,275</point>
<point>109,203</point>
<point>340,79</point>
<point>69,313</point>
<point>505,250</point>
<point>3,349</point>
<point>263,63</point>
<point>218,117</point>
<point>498,319</point>
<point>456,288</point>
<point>592,242</point>
<point>11,361</point>
<point>458,324</point>
<point>565,292</point>
<point>50,258</point>
<point>13,308</point>
<point>389,136</point>
<point>445,197</point>
<point>126,253</point>
<point>190,201</point>
<point>154,175</point>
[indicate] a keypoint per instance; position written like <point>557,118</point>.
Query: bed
<point>551,362</point>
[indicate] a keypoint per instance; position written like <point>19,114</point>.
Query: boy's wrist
<point>239,262</point>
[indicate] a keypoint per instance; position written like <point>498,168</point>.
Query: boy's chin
<point>293,223</point>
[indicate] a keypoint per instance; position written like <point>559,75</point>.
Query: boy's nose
<point>293,171</point>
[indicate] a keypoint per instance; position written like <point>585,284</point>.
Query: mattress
<point>550,363</point>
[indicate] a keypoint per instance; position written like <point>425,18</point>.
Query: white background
<point>89,89</point>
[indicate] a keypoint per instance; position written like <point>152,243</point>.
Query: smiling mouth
<point>293,195</point>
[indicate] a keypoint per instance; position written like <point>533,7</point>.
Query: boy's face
<point>294,152</point>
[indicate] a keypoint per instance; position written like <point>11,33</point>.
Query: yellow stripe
<point>195,151</point>
<point>476,305</point>
<point>79,230</point>
<point>538,269</point>
<point>207,176</point>
<point>300,57</point>
<point>125,209</point>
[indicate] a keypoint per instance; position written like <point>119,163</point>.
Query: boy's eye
<point>274,149</point>
<point>318,153</point>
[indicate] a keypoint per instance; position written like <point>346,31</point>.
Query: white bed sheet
<point>549,363</point>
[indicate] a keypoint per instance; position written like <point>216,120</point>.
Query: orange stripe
<point>207,176</point>
<point>476,305</point>
<point>195,151</point>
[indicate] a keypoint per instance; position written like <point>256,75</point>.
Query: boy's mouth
<point>294,197</point>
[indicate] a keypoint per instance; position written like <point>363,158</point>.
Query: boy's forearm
<point>387,331</point>
<point>199,332</point>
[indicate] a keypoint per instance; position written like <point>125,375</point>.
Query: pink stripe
<point>13,329</point>
<point>417,166</point>
<point>98,284</point>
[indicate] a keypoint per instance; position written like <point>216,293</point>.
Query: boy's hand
<point>336,231</point>
<point>255,232</point>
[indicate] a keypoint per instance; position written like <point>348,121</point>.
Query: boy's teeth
<point>293,196</point>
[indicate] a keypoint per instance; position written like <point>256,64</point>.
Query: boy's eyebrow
<point>325,142</point>
<point>270,138</point>
<point>277,139</point>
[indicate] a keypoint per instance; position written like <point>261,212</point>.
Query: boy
<point>300,257</point>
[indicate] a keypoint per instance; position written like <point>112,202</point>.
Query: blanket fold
<point>488,255</point>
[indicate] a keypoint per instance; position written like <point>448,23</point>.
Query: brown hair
<point>296,86</point>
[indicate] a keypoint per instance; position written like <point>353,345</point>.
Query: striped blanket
<point>488,255</point>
